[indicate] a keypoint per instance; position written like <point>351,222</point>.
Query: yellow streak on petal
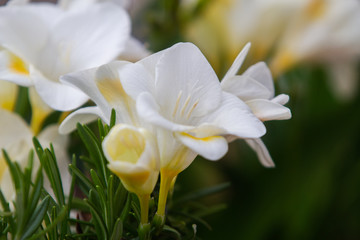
<point>112,90</point>
<point>18,65</point>
<point>114,93</point>
<point>205,139</point>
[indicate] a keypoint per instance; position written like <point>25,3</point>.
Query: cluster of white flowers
<point>170,106</point>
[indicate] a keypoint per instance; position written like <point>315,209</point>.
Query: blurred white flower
<point>286,33</point>
<point>61,42</point>
<point>255,87</point>
<point>16,139</point>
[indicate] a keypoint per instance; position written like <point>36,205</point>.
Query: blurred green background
<point>314,190</point>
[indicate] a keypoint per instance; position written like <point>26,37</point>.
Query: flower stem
<point>165,184</point>
<point>144,207</point>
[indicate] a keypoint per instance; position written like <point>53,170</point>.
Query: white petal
<point>149,110</point>
<point>235,117</point>
<point>13,69</point>
<point>151,61</point>
<point>263,154</point>
<point>85,81</point>
<point>183,70</point>
<point>51,135</point>
<point>57,95</point>
<point>137,79</point>
<point>281,99</point>
<point>60,142</point>
<point>212,148</point>
<point>19,35</point>
<point>261,73</point>
<point>12,129</point>
<point>245,88</point>
<point>237,63</point>
<point>83,116</point>
<point>89,38</point>
<point>266,110</point>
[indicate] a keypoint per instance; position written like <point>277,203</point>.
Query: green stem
<point>144,207</point>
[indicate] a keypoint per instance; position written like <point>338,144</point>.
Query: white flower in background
<point>223,27</point>
<point>46,42</point>
<point>16,139</point>
<point>133,157</point>
<point>286,33</point>
<point>255,87</point>
<point>324,31</point>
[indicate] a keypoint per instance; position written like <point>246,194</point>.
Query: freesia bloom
<point>255,87</point>
<point>177,92</point>
<point>16,139</point>
<point>61,42</point>
<point>133,157</point>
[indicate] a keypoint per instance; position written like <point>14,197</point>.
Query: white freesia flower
<point>255,87</point>
<point>16,139</point>
<point>175,91</point>
<point>62,42</point>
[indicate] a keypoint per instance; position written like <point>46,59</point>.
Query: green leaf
<point>94,148</point>
<point>100,226</point>
<point>54,175</point>
<point>112,118</point>
<point>167,228</point>
<point>60,217</point>
<point>13,170</point>
<point>36,192</point>
<point>126,210</point>
<point>36,219</point>
<point>118,230</point>
<point>81,177</point>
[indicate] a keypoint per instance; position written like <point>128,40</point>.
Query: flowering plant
<point>140,123</point>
